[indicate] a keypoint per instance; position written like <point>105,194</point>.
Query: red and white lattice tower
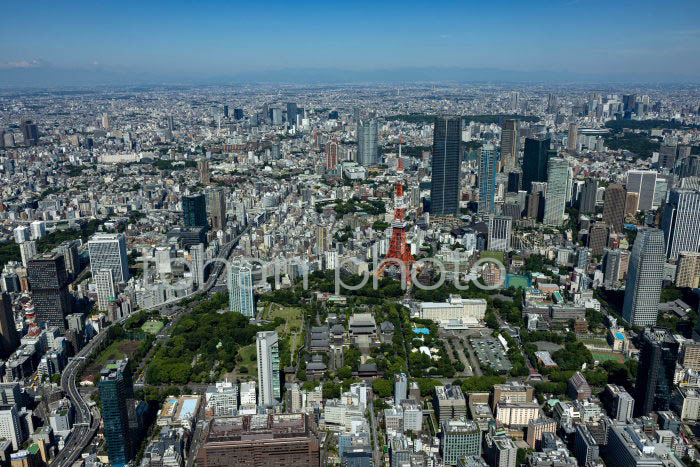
<point>398,248</point>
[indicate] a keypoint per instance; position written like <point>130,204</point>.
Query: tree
<point>344,373</point>
<point>383,387</point>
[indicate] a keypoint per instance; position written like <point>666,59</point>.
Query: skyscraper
<point>400,388</point>
<point>197,253</point>
<point>105,121</point>
<point>27,251</point>
<point>572,138</point>
<point>680,222</point>
<point>657,365</point>
<point>500,229</point>
<point>203,169</point>
<point>535,155</point>
<point>588,196</point>
<point>267,343</point>
<point>105,288</point>
<point>69,250</point>
<point>488,167</point>
<point>644,278</point>
<point>614,206</point>
<point>367,143</point>
<point>291,113</point>
<point>49,283</point>
<point>217,208</point>
<point>108,251</point>
<point>509,144</point>
<point>194,208</point>
<point>555,201</point>
<point>115,388</point>
<point>688,270</point>
<point>667,156</point>
<point>598,237</point>
<point>446,166</point>
<point>9,338</point>
<point>30,133</point>
<point>240,289</point>
<point>642,182</point>
<point>515,181</point>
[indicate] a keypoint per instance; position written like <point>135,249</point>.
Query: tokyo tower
<point>398,248</point>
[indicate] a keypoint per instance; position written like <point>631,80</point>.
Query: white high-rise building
<point>105,288</point>
<point>27,250</point>
<point>240,289</point>
<point>163,264</point>
<point>499,234</point>
<point>557,186</point>
<point>21,234</point>
<point>400,388</point>
<point>38,229</point>
<point>198,256</point>
<point>10,428</point>
<point>680,221</point>
<point>642,182</point>
<point>267,343</point>
<point>248,396</point>
<point>644,278</point>
<point>108,251</point>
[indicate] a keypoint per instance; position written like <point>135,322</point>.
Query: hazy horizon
<point>579,40</point>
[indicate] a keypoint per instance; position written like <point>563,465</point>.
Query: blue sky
<point>219,37</point>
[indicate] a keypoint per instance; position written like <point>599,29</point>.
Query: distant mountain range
<point>45,75</point>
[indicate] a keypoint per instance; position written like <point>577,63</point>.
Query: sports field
<point>601,357</point>
<point>152,327</point>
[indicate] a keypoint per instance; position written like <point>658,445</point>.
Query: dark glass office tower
<point>48,280</point>
<point>445,183</point>
<point>292,113</point>
<point>30,133</point>
<point>657,364</point>
<point>195,210</point>
<point>515,180</point>
<point>115,388</point>
<point>535,156</point>
<point>9,338</point>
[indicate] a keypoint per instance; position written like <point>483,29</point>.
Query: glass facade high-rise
<point>367,143</point>
<point>588,196</point>
<point>644,278</point>
<point>488,168</point>
<point>446,166</point>
<point>657,364</point>
<point>509,144</point>
<point>217,208</point>
<point>48,280</point>
<point>680,220</point>
<point>267,343</point>
<point>115,388</point>
<point>557,182</point>
<point>9,338</point>
<point>614,206</point>
<point>194,208</point>
<point>240,289</point>
<point>108,251</point>
<point>535,155</point>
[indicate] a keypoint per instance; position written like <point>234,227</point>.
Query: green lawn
<point>601,357</point>
<point>293,318</point>
<point>249,356</point>
<point>152,327</point>
<point>499,255</point>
